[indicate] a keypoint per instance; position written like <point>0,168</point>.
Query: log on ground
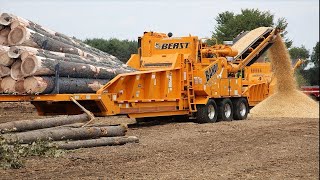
<point>46,84</point>
<point>103,141</point>
<point>25,125</point>
<point>65,133</point>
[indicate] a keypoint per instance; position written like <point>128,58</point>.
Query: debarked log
<point>21,35</point>
<point>46,84</point>
<point>24,36</point>
<point>25,125</point>
<point>23,51</point>
<point>65,133</point>
<point>103,141</point>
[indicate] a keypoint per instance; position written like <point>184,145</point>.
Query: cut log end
<point>5,60</point>
<point>19,87</point>
<point>17,35</point>
<point>5,19</point>
<point>16,72</point>
<point>34,85</point>
<point>3,40</point>
<point>5,31</point>
<point>29,65</point>
<point>8,85</point>
<point>4,71</point>
<point>15,23</point>
<point>14,52</point>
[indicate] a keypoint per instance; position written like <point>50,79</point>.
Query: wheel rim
<point>243,109</point>
<point>211,111</point>
<point>227,110</point>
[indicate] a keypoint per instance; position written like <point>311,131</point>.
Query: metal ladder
<point>190,90</point>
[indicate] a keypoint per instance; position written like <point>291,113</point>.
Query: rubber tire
<point>221,105</point>
<point>236,106</point>
<point>202,112</point>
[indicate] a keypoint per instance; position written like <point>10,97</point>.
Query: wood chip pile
<point>37,60</point>
<point>287,101</point>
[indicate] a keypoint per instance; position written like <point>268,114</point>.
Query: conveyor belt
<point>249,41</point>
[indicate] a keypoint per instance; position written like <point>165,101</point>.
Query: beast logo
<point>171,45</point>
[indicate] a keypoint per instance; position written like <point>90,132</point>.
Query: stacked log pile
<point>36,60</point>
<point>65,132</point>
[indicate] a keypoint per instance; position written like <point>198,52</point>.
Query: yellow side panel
<point>147,85</point>
<point>134,61</point>
<point>224,87</point>
<point>235,87</point>
<point>257,93</point>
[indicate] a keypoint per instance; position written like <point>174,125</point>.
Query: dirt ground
<point>279,148</point>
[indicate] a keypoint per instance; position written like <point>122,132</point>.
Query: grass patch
<point>13,155</point>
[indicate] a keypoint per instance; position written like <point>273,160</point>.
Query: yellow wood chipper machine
<point>177,76</point>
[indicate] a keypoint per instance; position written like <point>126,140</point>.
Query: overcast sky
<point>128,19</point>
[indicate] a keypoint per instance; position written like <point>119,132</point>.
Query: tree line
<point>229,26</point>
<point>122,49</point>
